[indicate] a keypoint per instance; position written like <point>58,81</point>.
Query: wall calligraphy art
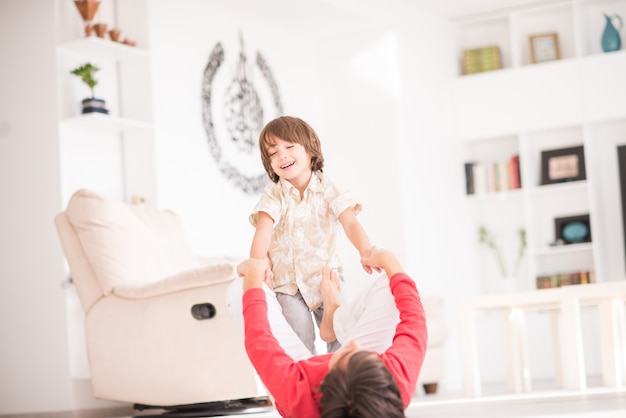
<point>237,99</point>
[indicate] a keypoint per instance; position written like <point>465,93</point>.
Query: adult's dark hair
<point>290,129</point>
<point>364,389</point>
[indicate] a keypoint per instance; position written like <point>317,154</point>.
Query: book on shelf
<point>469,178</point>
<point>565,279</point>
<point>480,178</point>
<point>502,176</point>
<point>478,60</point>
<point>515,178</point>
<point>490,177</point>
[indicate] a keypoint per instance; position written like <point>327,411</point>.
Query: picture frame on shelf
<point>621,163</point>
<point>572,229</point>
<point>564,164</point>
<point>544,47</point>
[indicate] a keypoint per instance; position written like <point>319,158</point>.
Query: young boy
<point>297,220</point>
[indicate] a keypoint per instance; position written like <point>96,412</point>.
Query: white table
<point>564,303</point>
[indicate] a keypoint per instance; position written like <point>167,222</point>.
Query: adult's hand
<point>253,272</point>
<point>385,259</point>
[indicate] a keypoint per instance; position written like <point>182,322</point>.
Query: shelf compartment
<point>554,18</point>
<point>485,33</point>
<point>592,22</point>
<point>565,261</point>
<point>539,141</point>
<point>545,210</point>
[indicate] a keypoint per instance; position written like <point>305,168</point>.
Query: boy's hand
<point>365,255</point>
<point>330,287</point>
<point>380,258</point>
<point>269,274</point>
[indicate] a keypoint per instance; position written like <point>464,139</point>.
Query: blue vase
<point>611,40</point>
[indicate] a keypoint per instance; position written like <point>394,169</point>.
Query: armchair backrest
<point>108,243</point>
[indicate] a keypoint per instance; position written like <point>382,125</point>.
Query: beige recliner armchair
<point>157,327</point>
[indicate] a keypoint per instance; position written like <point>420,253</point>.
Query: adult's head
<point>359,385</point>
<point>294,130</point>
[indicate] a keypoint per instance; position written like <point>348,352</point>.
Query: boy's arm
<point>261,241</point>
<point>357,236</point>
<point>262,236</point>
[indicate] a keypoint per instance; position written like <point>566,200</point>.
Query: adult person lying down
<point>375,371</point>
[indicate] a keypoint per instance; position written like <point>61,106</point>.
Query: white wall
<point>438,232</point>
<point>33,341</point>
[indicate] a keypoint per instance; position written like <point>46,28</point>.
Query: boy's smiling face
<point>290,161</point>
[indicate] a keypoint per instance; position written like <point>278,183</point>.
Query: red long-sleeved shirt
<point>295,385</point>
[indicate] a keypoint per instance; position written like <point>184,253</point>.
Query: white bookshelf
<point>527,108</point>
<point>110,153</point>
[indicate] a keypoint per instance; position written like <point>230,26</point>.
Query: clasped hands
<point>258,270</point>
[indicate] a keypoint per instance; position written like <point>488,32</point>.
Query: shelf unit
<point>110,153</point>
<point>524,109</point>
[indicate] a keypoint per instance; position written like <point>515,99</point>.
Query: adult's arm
<point>283,377</point>
<point>405,356</point>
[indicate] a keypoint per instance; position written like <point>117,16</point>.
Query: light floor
<point>544,402</point>
<point>595,403</point>
<point>554,404</point>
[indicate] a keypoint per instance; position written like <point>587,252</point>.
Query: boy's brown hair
<point>290,129</point>
<point>364,389</point>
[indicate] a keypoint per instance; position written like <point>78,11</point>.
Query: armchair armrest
<point>224,271</point>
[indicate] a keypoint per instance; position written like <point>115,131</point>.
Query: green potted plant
<point>87,72</point>
<point>487,238</point>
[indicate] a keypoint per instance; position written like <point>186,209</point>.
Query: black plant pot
<point>91,105</point>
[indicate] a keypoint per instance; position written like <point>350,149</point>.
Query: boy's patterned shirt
<point>304,238</point>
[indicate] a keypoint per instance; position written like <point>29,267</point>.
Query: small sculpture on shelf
<point>114,34</point>
<point>611,40</point>
<point>101,29</point>
<point>86,73</point>
<point>87,10</point>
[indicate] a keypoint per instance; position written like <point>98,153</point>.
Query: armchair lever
<point>202,311</point>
